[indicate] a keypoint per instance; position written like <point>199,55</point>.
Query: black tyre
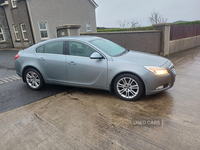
<point>128,87</point>
<point>34,79</point>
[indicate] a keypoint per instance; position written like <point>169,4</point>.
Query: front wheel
<point>128,87</point>
<point>34,79</point>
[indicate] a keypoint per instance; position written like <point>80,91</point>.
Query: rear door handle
<point>41,58</point>
<point>72,63</point>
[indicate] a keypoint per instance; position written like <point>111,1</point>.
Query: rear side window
<point>40,49</point>
<point>51,48</point>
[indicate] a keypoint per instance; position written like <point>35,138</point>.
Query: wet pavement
<point>13,91</point>
<point>93,119</point>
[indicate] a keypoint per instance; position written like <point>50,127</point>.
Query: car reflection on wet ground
<point>94,119</point>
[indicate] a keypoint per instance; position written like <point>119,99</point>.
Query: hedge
<point>145,28</point>
<point>125,29</point>
<point>188,23</point>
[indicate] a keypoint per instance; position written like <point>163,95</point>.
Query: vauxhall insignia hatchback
<point>94,62</point>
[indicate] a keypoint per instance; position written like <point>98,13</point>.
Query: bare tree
<point>128,24</point>
<point>134,24</point>
<point>156,18</point>
<point>123,24</point>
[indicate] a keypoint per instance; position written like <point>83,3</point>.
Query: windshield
<point>108,47</point>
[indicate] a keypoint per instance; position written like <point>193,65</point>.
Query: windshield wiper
<point>124,52</point>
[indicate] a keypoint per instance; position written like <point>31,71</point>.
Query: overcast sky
<point>110,11</point>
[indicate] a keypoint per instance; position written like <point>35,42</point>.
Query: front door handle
<point>72,63</point>
<point>41,58</point>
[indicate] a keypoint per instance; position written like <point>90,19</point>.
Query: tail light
<point>16,56</point>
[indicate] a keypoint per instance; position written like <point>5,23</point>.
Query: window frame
<point>2,33</point>
<point>24,31</point>
<point>46,24</point>
<point>14,3</point>
<point>88,23</point>
<point>16,32</point>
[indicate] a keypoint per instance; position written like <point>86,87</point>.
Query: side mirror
<point>96,55</point>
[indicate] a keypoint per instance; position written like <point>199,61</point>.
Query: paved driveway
<point>94,119</point>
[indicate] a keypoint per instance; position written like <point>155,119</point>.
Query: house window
<point>24,33</point>
<point>43,30</point>
<point>13,3</point>
<point>88,27</point>
<point>17,37</point>
<point>2,38</point>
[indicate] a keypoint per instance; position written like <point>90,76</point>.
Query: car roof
<point>84,38</point>
<point>78,38</point>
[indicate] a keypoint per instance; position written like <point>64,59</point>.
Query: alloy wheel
<point>127,87</point>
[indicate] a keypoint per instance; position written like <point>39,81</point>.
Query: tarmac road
<point>7,62</point>
<point>13,91</point>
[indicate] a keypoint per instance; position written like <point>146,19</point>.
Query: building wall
<point>145,41</point>
<point>7,36</point>
<point>61,12</point>
<point>18,16</point>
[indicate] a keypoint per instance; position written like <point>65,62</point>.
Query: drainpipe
<point>8,26</point>
<point>31,27</point>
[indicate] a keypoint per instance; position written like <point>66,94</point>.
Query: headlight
<point>157,70</point>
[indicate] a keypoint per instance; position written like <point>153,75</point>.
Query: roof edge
<point>94,3</point>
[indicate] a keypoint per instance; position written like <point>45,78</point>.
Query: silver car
<point>94,62</point>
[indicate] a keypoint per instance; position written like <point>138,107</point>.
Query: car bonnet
<point>141,58</point>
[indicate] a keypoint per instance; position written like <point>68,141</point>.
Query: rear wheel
<point>34,79</point>
<point>128,87</point>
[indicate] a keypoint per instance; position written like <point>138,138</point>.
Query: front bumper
<point>158,83</point>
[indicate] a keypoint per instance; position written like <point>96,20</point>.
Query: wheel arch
<point>126,72</point>
<point>26,68</point>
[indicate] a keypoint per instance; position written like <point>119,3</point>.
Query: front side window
<point>88,29</point>
<point>43,30</point>
<point>51,48</point>
<point>16,32</point>
<point>108,47</point>
<point>2,38</point>
<point>24,33</point>
<point>80,49</point>
<point>13,3</point>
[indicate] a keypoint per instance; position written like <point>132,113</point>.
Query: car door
<point>51,60</point>
<point>81,69</point>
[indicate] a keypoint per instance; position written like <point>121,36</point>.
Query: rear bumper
<point>18,68</point>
